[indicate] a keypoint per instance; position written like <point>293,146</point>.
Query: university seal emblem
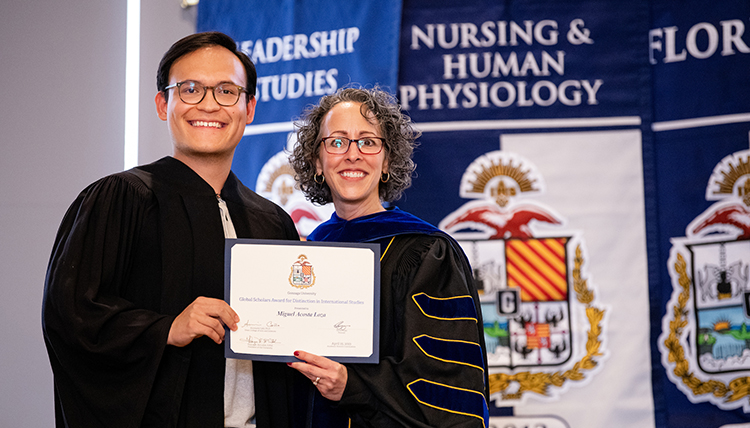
<point>543,327</point>
<point>705,342</point>
<point>302,275</point>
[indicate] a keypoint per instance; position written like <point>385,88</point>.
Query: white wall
<point>163,22</point>
<point>62,68</point>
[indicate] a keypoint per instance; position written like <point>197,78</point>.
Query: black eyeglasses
<point>340,145</point>
<point>192,92</point>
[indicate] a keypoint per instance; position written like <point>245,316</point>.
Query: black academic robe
<point>133,250</point>
<point>432,370</point>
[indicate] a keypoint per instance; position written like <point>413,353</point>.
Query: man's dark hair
<point>197,41</point>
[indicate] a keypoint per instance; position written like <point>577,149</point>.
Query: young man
<point>133,312</point>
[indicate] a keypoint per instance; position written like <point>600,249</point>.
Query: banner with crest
<point>302,50</point>
<point>539,107</point>
<point>593,160</point>
<point>700,55</point>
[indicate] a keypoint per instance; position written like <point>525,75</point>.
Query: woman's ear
<point>318,167</point>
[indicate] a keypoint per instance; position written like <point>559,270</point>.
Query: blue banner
<point>700,54</point>
<point>541,108</point>
<point>302,50</point>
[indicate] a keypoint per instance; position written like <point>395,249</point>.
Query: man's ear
<point>161,105</point>
<point>250,110</point>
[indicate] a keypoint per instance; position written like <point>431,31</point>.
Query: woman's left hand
<point>327,375</point>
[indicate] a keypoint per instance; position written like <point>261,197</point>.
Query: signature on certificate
<point>250,324</point>
<point>341,327</point>
<point>257,340</point>
<point>256,326</point>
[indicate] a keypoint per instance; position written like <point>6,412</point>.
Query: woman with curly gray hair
<point>354,149</point>
<point>396,130</point>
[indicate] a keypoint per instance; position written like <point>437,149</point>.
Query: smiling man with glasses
<point>133,315</point>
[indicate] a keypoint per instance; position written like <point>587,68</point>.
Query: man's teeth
<point>353,174</point>
<point>204,123</point>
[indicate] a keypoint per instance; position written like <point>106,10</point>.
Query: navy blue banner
<point>533,115</point>
<point>302,51</point>
<point>700,54</point>
<point>491,66</point>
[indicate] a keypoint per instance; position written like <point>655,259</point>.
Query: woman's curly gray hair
<point>397,130</point>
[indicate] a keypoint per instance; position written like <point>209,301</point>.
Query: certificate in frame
<point>319,297</point>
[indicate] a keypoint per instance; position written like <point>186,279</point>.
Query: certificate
<point>319,297</point>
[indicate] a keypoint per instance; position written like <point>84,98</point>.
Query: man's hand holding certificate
<point>320,297</point>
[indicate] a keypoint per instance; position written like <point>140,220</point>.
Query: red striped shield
<point>538,268</point>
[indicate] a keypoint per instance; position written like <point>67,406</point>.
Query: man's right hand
<point>204,317</point>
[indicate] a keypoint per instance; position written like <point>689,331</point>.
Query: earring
<point>387,176</point>
<point>322,178</point>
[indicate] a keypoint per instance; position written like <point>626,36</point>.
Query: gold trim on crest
<point>540,382</point>
<point>738,388</point>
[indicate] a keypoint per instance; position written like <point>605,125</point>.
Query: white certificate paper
<point>319,297</point>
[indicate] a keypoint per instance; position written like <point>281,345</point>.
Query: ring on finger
<point>315,382</point>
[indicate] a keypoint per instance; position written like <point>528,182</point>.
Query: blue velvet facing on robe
<point>371,227</point>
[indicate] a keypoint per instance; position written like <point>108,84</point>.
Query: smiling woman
<point>353,174</point>
<point>396,129</point>
<point>354,149</point>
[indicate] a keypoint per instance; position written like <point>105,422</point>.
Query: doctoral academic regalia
<point>432,369</point>
<point>133,251</point>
